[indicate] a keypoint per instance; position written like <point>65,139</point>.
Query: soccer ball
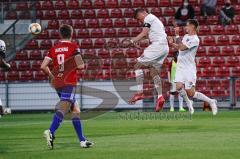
<point>35,28</point>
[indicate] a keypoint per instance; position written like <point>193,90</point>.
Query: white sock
<point>183,94</point>
<point>180,100</point>
<point>200,96</point>
<point>159,95</point>
<point>171,98</point>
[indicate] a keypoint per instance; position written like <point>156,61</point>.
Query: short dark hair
<point>193,22</point>
<point>66,31</point>
<point>139,10</point>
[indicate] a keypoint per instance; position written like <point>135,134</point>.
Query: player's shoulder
<point>150,17</point>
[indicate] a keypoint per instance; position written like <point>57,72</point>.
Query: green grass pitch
<point>202,137</point>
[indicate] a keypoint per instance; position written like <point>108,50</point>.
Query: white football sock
<point>180,100</point>
<point>200,96</point>
<point>171,98</point>
<point>183,94</point>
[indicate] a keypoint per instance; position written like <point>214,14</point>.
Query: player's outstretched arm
<point>4,64</point>
<point>79,61</point>
<point>140,35</point>
<point>45,68</point>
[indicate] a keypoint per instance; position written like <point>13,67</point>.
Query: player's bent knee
<point>190,92</point>
<point>179,86</point>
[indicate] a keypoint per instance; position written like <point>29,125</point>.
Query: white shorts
<point>186,76</point>
<point>154,55</point>
<point>173,87</point>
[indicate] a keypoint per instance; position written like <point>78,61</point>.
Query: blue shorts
<point>67,93</point>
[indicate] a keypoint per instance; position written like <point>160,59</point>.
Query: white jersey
<point>186,58</point>
<point>157,31</point>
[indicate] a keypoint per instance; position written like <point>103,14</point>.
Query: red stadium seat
<point>201,83</point>
<point>73,4</point>
<point>46,44</point>
<point>128,13</point>
<point>177,3</point>
<point>86,4</point>
<point>93,23</point>
<point>156,11</point>
<point>43,35</point>
<point>238,51</point>
<point>11,15</point>
<point>214,51</point>
<point>90,13</point>
<point>120,22</point>
<point>22,6</point>
<point>12,76</point>
<point>151,3</point>
<point>53,24</point>
<point>163,20</point>
<point>209,41</point>
<point>132,22</point>
<point>24,15</point>
<point>136,31</point>
<point>225,83</point>
<point>116,13</point>
<point>107,23</point>
<point>24,66</point>
<point>125,3</point>
<point>213,20</point>
<point>131,63</point>
<point>38,5</point>
<point>99,4</point>
<point>223,40</point>
<point>236,71</point>
<point>76,14</point>
<point>197,10</point>
<point>218,30</point>
<point>40,75</point>
<point>233,61</point>
<point>63,14</point>
<point>103,53</point>
<point>32,44</point>
<point>123,32</point>
<point>232,29</point>
<point>204,30</point>
<point>164,3</point>
<point>169,11</point>
<point>80,23</point>
<point>227,51</point>
<point>47,5</point>
<point>39,14</point>
<point>218,92</point>
<point>237,9</point>
<point>86,43</point>
<point>26,76</point>
<point>237,19</point>
<point>110,32</point>
<point>21,55</point>
<point>14,64</point>
<point>50,14</point>
<point>83,33</point>
<point>213,83</point>
<point>35,55</point>
<point>218,61</point>
<point>67,21</point>
<point>106,64</point>
<point>97,33</point>
<point>235,40</point>
<point>204,62</point>
<point>119,63</point>
<point>55,34</point>
<point>201,51</point>
<point>208,72</point>
<point>102,13</point>
<point>223,72</point>
<point>111,4</point>
<point>60,4</point>
<point>132,53</point>
<point>36,65</point>
<point>2,76</point>
<point>113,43</point>
<point>99,43</point>
<point>138,3</point>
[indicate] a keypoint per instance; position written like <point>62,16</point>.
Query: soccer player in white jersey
<point>4,65</point>
<point>186,72</point>
<point>152,57</point>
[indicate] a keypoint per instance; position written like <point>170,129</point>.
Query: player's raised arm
<point>45,68</point>
<point>140,15</point>
<point>178,43</point>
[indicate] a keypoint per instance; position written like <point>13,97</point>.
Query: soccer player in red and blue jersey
<point>66,59</point>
